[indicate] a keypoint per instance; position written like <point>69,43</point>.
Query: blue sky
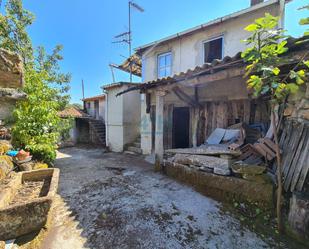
<point>86,30</point>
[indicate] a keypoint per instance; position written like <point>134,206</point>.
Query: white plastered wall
<point>187,51</point>
<point>122,118</point>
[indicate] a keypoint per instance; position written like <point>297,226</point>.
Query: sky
<point>86,30</point>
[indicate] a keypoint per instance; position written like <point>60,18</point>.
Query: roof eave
<point>205,25</point>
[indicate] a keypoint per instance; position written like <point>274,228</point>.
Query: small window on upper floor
<point>164,65</point>
<point>213,49</point>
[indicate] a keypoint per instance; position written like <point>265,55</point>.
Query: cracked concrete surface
<point>117,201</point>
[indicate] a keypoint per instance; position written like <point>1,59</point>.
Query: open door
<point>181,126</point>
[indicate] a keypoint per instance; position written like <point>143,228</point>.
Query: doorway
<point>96,109</point>
<point>181,126</point>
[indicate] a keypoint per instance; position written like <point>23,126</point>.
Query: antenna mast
<point>126,37</point>
<point>83,89</point>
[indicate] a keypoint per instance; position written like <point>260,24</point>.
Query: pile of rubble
<point>229,152</point>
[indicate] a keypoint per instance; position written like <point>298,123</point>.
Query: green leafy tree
<point>267,44</point>
<point>37,125</point>
<point>13,34</point>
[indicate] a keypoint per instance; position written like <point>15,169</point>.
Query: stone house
<point>122,117</point>
<point>11,82</point>
<point>193,81</point>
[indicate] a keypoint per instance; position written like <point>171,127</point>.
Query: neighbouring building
<point>95,106</point>
<point>75,134</point>
<point>11,82</point>
<point>122,117</point>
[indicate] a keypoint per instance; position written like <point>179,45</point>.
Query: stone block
<point>304,114</point>
<point>222,171</point>
<point>299,215</point>
<point>11,70</point>
<point>288,110</point>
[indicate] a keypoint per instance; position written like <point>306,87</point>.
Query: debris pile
<point>241,151</point>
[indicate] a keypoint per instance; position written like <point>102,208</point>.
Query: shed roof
<point>136,63</point>
<point>72,112</point>
<point>118,84</point>
<point>97,97</point>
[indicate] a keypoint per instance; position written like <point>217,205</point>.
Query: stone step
<point>100,132</point>
<point>137,144</point>
<point>98,126</point>
<point>135,149</point>
<point>129,152</point>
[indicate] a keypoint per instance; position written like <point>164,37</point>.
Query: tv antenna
<point>126,37</point>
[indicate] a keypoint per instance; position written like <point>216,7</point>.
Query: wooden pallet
<point>294,142</point>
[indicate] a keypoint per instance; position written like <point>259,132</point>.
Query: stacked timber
<point>295,158</point>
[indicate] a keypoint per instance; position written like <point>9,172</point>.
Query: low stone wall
<point>23,217</point>
<point>222,188</point>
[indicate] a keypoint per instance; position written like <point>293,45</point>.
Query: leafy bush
<point>37,123</point>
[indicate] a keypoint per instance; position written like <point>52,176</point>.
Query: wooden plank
<point>288,177</point>
<point>214,116</point>
<point>298,159</point>
<point>201,127</point>
<point>252,111</point>
<point>241,110</point>
<point>289,151</point>
<point>305,167</point>
<point>292,150</point>
<point>210,114</point>
<point>220,115</point>
<point>225,115</point>
<point>270,144</point>
<point>231,120</point>
<point>262,150</point>
<point>246,111</point>
<point>206,120</point>
<point>185,97</point>
<point>235,110</point>
<point>270,153</point>
<point>283,137</point>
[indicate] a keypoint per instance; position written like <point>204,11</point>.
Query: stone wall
<point>11,80</point>
<point>11,70</point>
<point>298,105</point>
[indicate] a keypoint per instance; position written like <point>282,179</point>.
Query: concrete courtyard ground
<point>110,200</point>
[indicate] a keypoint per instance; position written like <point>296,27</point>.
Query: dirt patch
<point>30,190</point>
<point>120,203</point>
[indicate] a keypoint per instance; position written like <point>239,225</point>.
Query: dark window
<point>213,50</point>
